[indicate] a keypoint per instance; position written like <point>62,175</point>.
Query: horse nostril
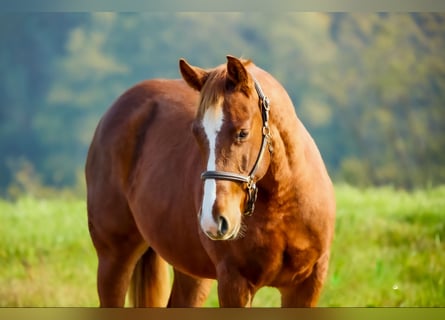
<point>223,226</point>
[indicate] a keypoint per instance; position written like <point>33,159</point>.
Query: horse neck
<point>295,160</point>
<point>291,143</point>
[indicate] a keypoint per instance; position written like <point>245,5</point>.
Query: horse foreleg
<point>306,293</point>
<point>188,291</point>
<point>233,289</point>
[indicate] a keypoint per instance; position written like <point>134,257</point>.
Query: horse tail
<point>150,282</point>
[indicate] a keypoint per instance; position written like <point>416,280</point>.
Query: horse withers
<point>216,176</point>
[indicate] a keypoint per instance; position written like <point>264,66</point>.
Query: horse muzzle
<point>219,229</point>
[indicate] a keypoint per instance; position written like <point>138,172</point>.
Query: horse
<point>208,177</point>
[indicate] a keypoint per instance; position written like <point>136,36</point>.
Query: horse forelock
<point>215,87</point>
<point>212,91</point>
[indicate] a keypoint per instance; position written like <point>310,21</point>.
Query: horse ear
<point>236,73</point>
<point>194,76</point>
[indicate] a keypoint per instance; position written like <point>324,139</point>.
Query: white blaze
<point>212,122</point>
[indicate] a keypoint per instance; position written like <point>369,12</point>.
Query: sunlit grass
<point>388,251</point>
<point>46,257</point>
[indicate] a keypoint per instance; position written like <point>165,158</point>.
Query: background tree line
<point>369,87</point>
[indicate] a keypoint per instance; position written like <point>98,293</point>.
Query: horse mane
<point>214,87</point>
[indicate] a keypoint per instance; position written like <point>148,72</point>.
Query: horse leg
<point>306,293</point>
<point>188,291</point>
<point>114,273</point>
<point>118,245</point>
<point>234,291</point>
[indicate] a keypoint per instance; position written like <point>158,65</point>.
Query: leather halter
<point>249,180</point>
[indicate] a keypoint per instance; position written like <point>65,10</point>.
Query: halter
<point>249,180</point>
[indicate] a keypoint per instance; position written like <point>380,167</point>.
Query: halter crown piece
<point>249,180</point>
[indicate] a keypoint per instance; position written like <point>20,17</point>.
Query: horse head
<point>231,129</point>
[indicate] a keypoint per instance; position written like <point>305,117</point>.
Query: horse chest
<point>278,257</point>
<point>297,265</point>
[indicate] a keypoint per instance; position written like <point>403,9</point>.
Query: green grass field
<point>389,250</point>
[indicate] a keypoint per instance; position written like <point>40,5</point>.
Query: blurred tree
<point>370,87</point>
<point>386,64</point>
<point>30,42</point>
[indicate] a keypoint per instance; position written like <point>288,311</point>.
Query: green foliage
<point>370,87</point>
<point>387,251</point>
<point>392,110</point>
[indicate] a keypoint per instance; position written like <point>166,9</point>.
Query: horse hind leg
<point>150,282</point>
<point>118,245</point>
<point>115,267</point>
<point>127,265</point>
<point>188,291</point>
<point>112,280</point>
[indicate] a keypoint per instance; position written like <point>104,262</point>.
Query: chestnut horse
<point>215,175</point>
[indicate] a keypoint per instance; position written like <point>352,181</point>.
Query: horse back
<point>122,132</point>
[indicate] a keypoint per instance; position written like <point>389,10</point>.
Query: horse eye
<point>243,134</point>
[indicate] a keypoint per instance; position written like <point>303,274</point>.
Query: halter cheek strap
<point>249,180</point>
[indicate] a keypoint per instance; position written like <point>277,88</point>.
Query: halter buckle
<point>252,193</point>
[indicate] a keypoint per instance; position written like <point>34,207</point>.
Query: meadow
<point>389,250</point>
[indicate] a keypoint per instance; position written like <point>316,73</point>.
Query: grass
<point>389,250</point>
<point>46,258</point>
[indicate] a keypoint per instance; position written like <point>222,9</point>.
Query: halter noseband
<point>249,180</point>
